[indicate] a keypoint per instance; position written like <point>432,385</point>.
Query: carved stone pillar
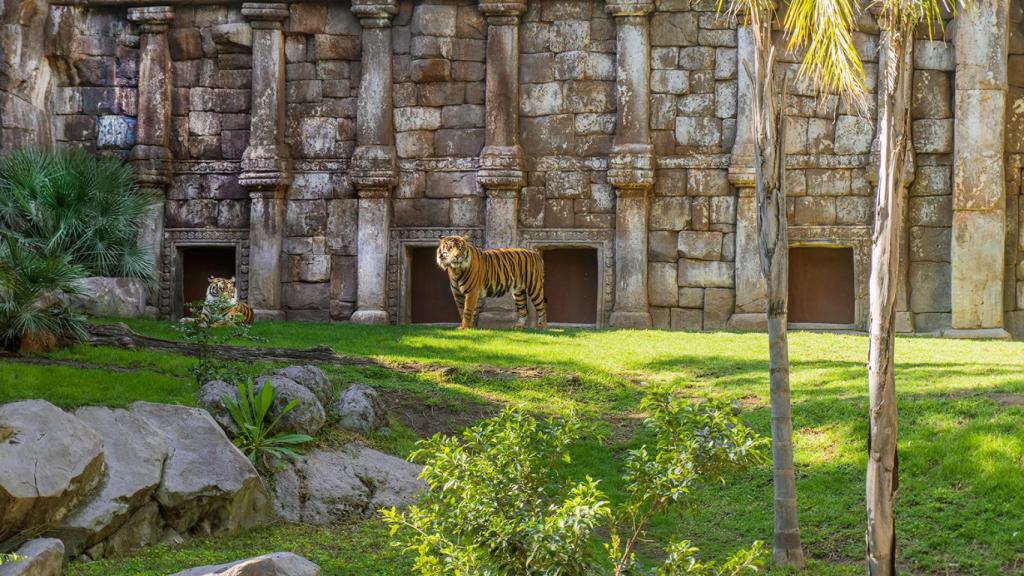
<point>265,162</point>
<point>502,168</point>
<point>373,171</point>
<point>151,155</point>
<point>979,194</point>
<point>631,162</point>
<point>750,288</point>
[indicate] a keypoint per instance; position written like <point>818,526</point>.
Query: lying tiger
<point>474,273</point>
<point>223,289</point>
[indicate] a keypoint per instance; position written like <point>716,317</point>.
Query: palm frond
<point>823,30</point>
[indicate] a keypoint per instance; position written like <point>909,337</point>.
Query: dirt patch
<point>1007,399</point>
<point>429,416</point>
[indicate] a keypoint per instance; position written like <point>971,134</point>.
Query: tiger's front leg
<point>469,311</point>
<point>460,299</point>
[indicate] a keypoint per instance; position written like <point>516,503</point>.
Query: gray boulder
<point>312,378</point>
<point>135,455</point>
<point>211,397</point>
<point>308,415</point>
<point>206,479</point>
<point>143,528</point>
<point>103,296</point>
<point>41,557</point>
<point>323,488</point>
<point>49,460</point>
<point>276,564</point>
<point>360,409</point>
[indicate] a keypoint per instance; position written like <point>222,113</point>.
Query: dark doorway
<point>198,263</point>
<point>821,285</point>
<point>570,285</point>
<point>430,294</point>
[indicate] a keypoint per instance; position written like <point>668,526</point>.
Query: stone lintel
<point>621,8</point>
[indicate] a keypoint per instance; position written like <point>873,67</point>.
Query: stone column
<point>979,195</point>
<point>151,155</point>
<point>373,171</point>
<point>631,162</point>
<point>750,288</point>
<point>502,168</point>
<point>265,163</point>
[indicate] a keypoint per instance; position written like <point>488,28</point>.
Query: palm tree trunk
<point>773,245</point>
<point>894,138</point>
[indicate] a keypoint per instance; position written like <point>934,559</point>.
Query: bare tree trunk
<point>769,181</point>
<point>894,138</point>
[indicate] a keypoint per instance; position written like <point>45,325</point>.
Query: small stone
<point>307,417</point>
<point>360,409</point>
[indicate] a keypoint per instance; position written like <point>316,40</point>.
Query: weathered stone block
<point>661,318</point>
<point>467,211</point>
<point>691,297</point>
<point>222,187</point>
<point>305,218</point>
<point>343,278</point>
<point>334,47</point>
<point>718,307</point>
<point>708,182</point>
<point>559,213</point>
<point>600,66</point>
<point>537,68</point>
<point>822,182</point>
<point>190,213</point>
<point>854,210</point>
<point>342,225</point>
<point>548,135</point>
<point>698,131</point>
<point>567,184</point>
<point>232,214</point>
<point>933,95</point>
<point>725,64</point>
<point>317,137</point>
<point>431,70</point>
<point>674,29</point>
<point>311,267</point>
<point>723,210</point>
<point>933,136</point>
<point>697,58</point>
<point>567,35</point>
<point>541,99</point>
<point>458,143</point>
<point>462,116</point>
<point>854,135</point>
<point>669,213</point>
<point>705,274</point>
<point>451,184</point>
<point>929,244</point>
<point>115,132</point>
<point>306,296</point>
<point>661,246</point>
<point>414,144</point>
<point>811,210</point>
<point>531,207</point>
<point>930,286</point>
<point>417,118</point>
<point>687,319</point>
<point>931,211</point>
<point>700,245</point>
<point>931,181</point>
<point>421,212</point>
<point>934,55</point>
<point>184,44</point>
<point>434,20</point>
<point>662,289</point>
<point>595,123</point>
<point>442,93</point>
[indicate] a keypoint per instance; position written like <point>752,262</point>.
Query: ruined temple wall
<point>701,256</point>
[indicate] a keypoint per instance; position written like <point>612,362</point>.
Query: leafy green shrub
<point>63,216</point>
<point>73,203</point>
<point>499,502</point>
<point>256,438</point>
<point>205,327</point>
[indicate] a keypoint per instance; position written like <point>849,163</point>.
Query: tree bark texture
<point>896,56</point>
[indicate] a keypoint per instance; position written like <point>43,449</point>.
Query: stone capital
<point>628,8</point>
<point>499,9</point>
<point>374,13</point>
<point>502,167</point>
<point>373,170</point>
<point>153,19</point>
<point>265,166</point>
<point>152,164</point>
<point>265,14</point>
<point>631,166</point>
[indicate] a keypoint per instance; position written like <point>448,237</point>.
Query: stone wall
<point>454,150</point>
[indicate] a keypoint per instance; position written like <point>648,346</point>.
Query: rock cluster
<point>107,481</point>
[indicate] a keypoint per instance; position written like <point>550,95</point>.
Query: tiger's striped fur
<point>474,273</point>
<point>239,312</point>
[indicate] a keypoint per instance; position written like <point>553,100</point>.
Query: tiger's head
<point>222,288</point>
<point>453,252</point>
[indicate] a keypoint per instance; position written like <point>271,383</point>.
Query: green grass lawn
<point>961,437</point>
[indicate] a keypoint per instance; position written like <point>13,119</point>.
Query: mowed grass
<point>961,436</point>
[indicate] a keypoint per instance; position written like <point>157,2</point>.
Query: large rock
<point>135,455</point>
<point>307,417</point>
<point>103,296</point>
<point>211,397</point>
<point>312,378</point>
<point>206,479</point>
<point>41,557</point>
<point>276,564</point>
<point>324,488</point>
<point>49,460</point>
<point>360,409</point>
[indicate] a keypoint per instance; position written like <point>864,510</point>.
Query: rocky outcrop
<point>307,417</point>
<point>135,453</point>
<point>49,461</point>
<point>360,409</point>
<point>206,479</point>
<point>324,487</point>
<point>312,378</point>
<point>276,564</point>
<point>117,297</point>
<point>41,557</point>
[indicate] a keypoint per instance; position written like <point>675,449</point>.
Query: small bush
<point>500,504</point>
<point>208,326</point>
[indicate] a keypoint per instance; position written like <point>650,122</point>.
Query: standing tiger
<point>474,273</point>
<point>224,288</point>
